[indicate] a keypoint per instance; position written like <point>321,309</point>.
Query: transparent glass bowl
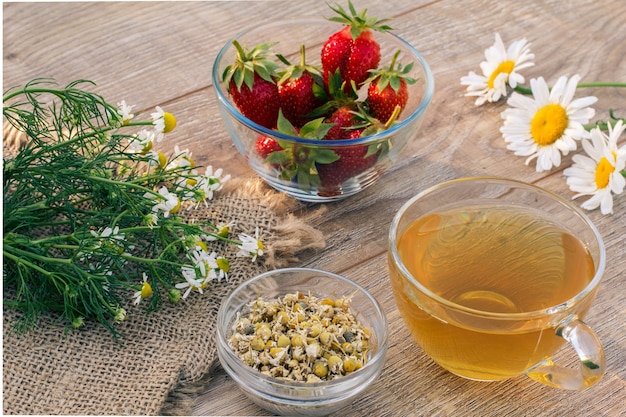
<point>290,35</point>
<point>301,398</point>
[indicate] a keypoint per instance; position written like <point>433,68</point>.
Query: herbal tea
<point>502,259</point>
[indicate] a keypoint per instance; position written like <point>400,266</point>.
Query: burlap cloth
<point>165,356</point>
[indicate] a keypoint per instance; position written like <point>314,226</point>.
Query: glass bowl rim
<point>233,111</point>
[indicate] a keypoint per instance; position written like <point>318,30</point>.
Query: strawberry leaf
<point>315,129</point>
<point>325,156</point>
<point>358,22</point>
<point>279,157</point>
<point>249,62</point>
<point>295,71</point>
<point>285,126</point>
<point>391,75</point>
<point>298,161</point>
<point>381,147</point>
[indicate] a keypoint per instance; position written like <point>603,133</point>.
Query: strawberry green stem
<point>394,59</point>
<point>393,117</point>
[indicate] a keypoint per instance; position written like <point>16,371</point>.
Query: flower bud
<point>174,295</point>
<point>120,315</point>
<point>78,322</point>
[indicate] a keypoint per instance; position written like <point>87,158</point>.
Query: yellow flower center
<point>176,207</point>
<point>223,231</point>
<point>191,181</point>
<point>147,147</point>
<point>170,122</point>
<point>603,173</point>
<point>162,159</point>
<point>260,245</point>
<point>504,67</point>
<point>202,245</point>
<point>548,124</point>
<point>223,264</point>
<point>146,290</point>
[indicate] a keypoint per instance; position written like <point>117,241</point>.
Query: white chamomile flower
<point>213,182</point>
<point>218,267</point>
<point>204,263</point>
<point>142,141</point>
<point>163,122</point>
<point>113,233</point>
<point>145,292</point>
<point>499,70</point>
<point>124,110</point>
<point>186,186</point>
<point>223,267</point>
<point>156,159</point>
<point>182,160</point>
<point>191,283</point>
<point>221,230</point>
<point>250,246</point>
<point>111,239</point>
<point>165,202</point>
<point>549,124</point>
<point>599,174</point>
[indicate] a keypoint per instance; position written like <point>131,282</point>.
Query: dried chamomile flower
<point>301,338</point>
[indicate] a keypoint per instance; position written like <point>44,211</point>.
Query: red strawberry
<point>353,50</point>
<point>388,89</point>
<point>335,53</point>
<point>251,84</point>
<point>352,161</point>
<point>356,159</point>
<point>342,120</point>
<point>297,87</point>
<point>265,145</point>
<point>365,56</point>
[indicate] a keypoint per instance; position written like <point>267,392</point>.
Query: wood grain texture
<point>161,53</point>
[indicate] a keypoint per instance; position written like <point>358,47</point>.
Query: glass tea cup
<point>492,276</point>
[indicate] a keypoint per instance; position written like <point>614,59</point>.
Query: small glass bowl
<point>290,35</point>
<point>301,398</point>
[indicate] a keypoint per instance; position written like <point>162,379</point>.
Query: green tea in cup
<point>492,276</point>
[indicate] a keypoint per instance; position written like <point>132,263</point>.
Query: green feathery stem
<point>80,227</point>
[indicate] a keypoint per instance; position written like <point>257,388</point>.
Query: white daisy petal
<point>540,91</point>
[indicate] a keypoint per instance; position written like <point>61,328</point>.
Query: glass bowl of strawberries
<point>321,108</point>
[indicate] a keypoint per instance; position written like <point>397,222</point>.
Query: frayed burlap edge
<point>296,235</point>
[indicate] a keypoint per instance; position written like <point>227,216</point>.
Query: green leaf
<point>325,156</point>
<point>279,157</point>
<point>284,125</point>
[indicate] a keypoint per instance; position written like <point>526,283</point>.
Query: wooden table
<point>161,54</point>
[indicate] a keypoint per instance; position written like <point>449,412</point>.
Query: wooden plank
<point>154,51</point>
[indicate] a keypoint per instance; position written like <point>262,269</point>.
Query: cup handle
<point>591,366</point>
